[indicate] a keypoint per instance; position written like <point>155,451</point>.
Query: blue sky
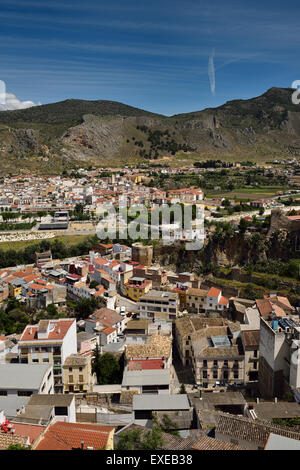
<point>166,56</point>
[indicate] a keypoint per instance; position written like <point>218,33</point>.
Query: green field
<point>68,240</point>
<point>248,193</point>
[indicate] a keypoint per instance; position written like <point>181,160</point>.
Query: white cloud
<point>211,72</point>
<point>10,102</point>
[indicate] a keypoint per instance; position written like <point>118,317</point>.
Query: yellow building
<point>181,295</point>
<point>136,287</point>
<point>15,287</point>
<point>77,376</point>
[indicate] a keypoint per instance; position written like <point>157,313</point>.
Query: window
<point>81,378</point>
<point>24,393</point>
<point>3,393</point>
<point>226,363</point>
<point>255,353</point>
<point>236,374</point>
<point>215,363</point>
<point>204,374</point>
<point>61,411</point>
<point>70,369</point>
<point>204,363</point>
<point>80,369</point>
<point>215,374</point>
<point>225,375</point>
<point>46,359</point>
<point>70,378</point>
<point>35,360</point>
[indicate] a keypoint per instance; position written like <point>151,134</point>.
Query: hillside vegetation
<point>49,137</point>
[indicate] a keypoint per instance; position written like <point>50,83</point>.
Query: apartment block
<point>158,305</point>
<point>50,341</point>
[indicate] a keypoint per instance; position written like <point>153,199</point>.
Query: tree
<point>182,389</point>
<point>18,447</point>
<point>52,310</point>
<point>93,285</point>
<point>137,440</point>
<point>85,307</point>
<point>107,368</point>
<point>130,440</point>
<point>243,225</point>
<point>167,425</point>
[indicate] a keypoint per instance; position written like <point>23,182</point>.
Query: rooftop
<point>161,402</point>
<point>22,376</point>
<point>68,436</point>
<point>145,377</point>
<point>157,346</point>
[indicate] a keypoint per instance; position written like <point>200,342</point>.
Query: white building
<point>50,341</point>
<point>23,380</point>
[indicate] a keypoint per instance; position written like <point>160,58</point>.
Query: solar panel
<point>220,341</point>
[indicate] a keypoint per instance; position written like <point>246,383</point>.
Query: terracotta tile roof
<point>186,326</point>
<point>214,292</point>
<point>67,436</point>
<point>251,338</point>
<point>108,330</point>
<point>223,301</point>
<point>36,286</point>
<point>100,261</point>
<point>33,432</point>
<point>209,443</point>
<point>24,273</point>
<point>148,364</point>
<point>31,277</point>
<point>106,316</point>
<point>7,439</point>
<point>249,430</point>
<point>58,333</point>
<point>157,346</point>
<point>264,306</point>
<point>197,292</point>
<point>230,351</point>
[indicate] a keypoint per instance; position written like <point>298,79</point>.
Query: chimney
<point>82,445</point>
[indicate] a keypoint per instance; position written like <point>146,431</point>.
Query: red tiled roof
<point>108,330</point>
<point>36,286</point>
<point>146,364</point>
<point>28,430</point>
<point>213,292</point>
<point>223,301</point>
<point>100,261</point>
<point>62,325</point>
<point>264,306</point>
<point>67,436</point>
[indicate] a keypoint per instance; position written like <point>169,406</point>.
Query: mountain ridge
<point>102,132</point>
